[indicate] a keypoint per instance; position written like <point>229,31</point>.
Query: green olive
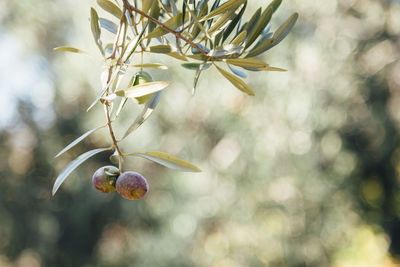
<point>140,78</point>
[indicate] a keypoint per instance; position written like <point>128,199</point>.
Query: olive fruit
<point>142,77</point>
<point>132,185</point>
<point>104,179</point>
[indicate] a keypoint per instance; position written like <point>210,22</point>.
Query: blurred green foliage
<point>306,173</point>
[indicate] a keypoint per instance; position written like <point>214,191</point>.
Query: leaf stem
<point>115,142</point>
<point>106,109</point>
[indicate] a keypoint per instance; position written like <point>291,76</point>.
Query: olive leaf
<point>94,25</point>
<point>151,65</point>
<point>108,25</point>
<point>238,83</point>
<point>229,6</point>
<point>278,36</point>
<point>78,140</point>
<point>162,49</point>
<point>172,23</point>
<point>145,114</point>
<point>238,40</point>
<point>191,66</point>
<point>143,89</point>
<point>110,7</point>
<point>263,21</point>
<point>146,5</point>
<point>73,165</point>
<point>201,68</point>
<point>69,49</point>
<point>167,161</point>
<point>246,63</point>
<point>237,72</point>
<point>234,23</point>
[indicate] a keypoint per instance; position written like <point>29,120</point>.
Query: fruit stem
<point>115,142</point>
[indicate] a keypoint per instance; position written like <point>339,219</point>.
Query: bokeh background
<point>306,173</point>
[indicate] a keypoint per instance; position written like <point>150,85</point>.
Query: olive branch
<point>199,34</point>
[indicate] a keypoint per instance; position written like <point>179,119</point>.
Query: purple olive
<point>104,179</point>
<point>132,185</point>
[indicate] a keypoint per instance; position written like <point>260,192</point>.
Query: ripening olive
<point>132,185</point>
<point>104,179</point>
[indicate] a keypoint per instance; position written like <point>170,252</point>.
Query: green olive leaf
<point>238,83</point>
<point>177,56</point>
<point>146,5</point>
<point>246,63</point>
<point>234,22</point>
<point>78,140</point>
<point>108,25</point>
<point>73,165</point>
<point>229,6</point>
<point>143,89</point>
<point>95,27</point>
<point>285,28</point>
<point>191,66</point>
<point>263,21</point>
<point>237,72</point>
<point>110,7</point>
<point>278,36</point>
<point>272,69</point>
<point>173,23</point>
<point>151,65</point>
<point>145,114</point>
<point>161,49</point>
<point>238,40</point>
<point>69,49</point>
<point>167,161</point>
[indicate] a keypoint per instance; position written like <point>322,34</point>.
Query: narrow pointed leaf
<point>73,165</point>
<point>95,27</point>
<point>162,49</point>
<point>167,161</point>
<point>228,6</point>
<point>69,49</point>
<point>239,38</point>
<point>246,63</point>
<point>238,83</point>
<point>78,140</point>
<point>151,65</point>
<point>285,28</point>
<point>94,24</point>
<point>146,112</point>
<point>251,25</point>
<point>177,56</point>
<point>143,89</point>
<point>146,4</point>
<point>221,23</point>
<point>272,69</point>
<point>155,13</point>
<point>237,72</point>
<point>203,10</point>
<point>108,25</point>
<point>263,22</point>
<point>110,7</point>
<point>226,50</point>
<point>172,23</point>
<point>191,66</point>
<point>201,68</point>
<point>234,23</point>
<point>278,36</point>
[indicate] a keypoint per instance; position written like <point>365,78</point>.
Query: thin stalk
<point>178,35</point>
